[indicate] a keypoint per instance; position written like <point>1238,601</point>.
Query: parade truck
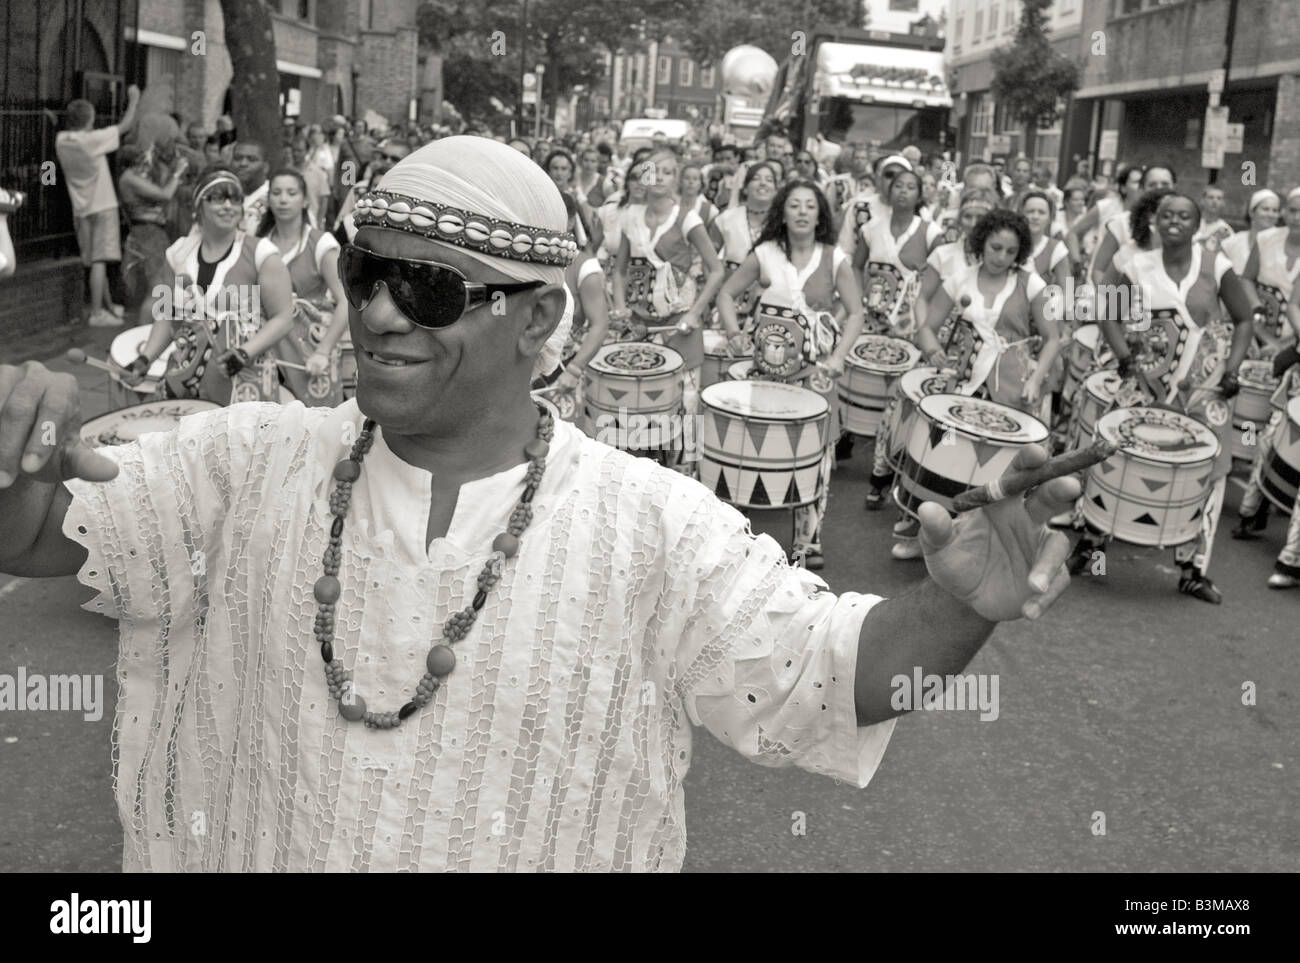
<point>885,90</point>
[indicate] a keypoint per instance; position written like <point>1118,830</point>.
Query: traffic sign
<point>1108,149</point>
<point>1217,79</point>
<point>1235,141</point>
<point>1215,141</point>
<point>530,88</point>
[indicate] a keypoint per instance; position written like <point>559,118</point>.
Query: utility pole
<point>1227,67</point>
<point>537,132</point>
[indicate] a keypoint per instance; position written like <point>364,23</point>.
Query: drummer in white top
<point>798,267</point>
<point>1182,354</point>
<point>1261,214</point>
<point>1271,272</point>
<point>1128,184</point>
<point>736,230</point>
<point>946,260</point>
<point>870,203</point>
<point>890,254</point>
<point>1118,229</point>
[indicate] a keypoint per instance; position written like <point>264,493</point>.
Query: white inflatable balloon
<point>748,72</point>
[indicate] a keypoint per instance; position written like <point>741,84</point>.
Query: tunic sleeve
<point>690,222</point>
<point>328,242</point>
<point>1221,266</point>
<point>768,655</point>
<point>150,532</point>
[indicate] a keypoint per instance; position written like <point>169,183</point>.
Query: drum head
<point>986,421</point>
<point>636,359</point>
<point>1088,336</point>
<point>1159,435</point>
<point>129,345</point>
<point>741,370</point>
<point>924,381</point>
<point>127,424</point>
<point>1257,374</point>
<point>881,353</point>
<point>1293,409</point>
<point>764,399</point>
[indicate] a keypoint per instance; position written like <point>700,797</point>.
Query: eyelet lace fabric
<point>637,606</point>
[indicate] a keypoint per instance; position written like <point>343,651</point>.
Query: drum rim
<point>196,405</point>
<point>965,429</point>
<point>673,355</point>
<point>913,352</point>
<point>1139,456</point>
<point>823,413</point>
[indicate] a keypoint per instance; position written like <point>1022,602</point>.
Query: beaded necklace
<point>441,660</point>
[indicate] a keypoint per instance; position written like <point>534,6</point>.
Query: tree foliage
<point>483,42</point>
<point>712,28</point>
<point>1030,77</point>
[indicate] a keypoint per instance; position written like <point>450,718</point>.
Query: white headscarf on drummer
<point>480,175</point>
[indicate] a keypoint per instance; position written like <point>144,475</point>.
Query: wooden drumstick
<point>290,364</point>
<point>77,356</point>
<point>1018,482</point>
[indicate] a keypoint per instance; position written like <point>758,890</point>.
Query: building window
<point>979,25</point>
<point>304,10</point>
<point>707,77</point>
<point>981,115</point>
<point>686,73</point>
<point>993,20</point>
<point>960,32</point>
<point>665,70</point>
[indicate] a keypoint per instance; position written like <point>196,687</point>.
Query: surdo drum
<point>1251,409</point>
<point>958,443</point>
<point>125,425</point>
<point>870,369</point>
<point>1152,491</point>
<point>635,388</point>
<point>917,384</point>
<point>717,358</point>
<point>1281,475</point>
<point>762,443</point>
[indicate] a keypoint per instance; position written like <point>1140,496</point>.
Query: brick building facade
<point>1150,87</point>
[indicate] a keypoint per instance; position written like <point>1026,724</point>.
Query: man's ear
<point>548,309</point>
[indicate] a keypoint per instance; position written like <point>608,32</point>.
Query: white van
<point>640,131</point>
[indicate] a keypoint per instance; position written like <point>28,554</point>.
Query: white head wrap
<point>480,175</point>
<point>1263,194</point>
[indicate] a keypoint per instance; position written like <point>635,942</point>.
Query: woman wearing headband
<point>736,230</point>
<point>1271,272</point>
<point>1128,185</point>
<point>1261,214</point>
<point>319,323</point>
<point>224,298</point>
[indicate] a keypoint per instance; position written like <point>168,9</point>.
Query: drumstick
<point>1018,482</point>
<point>290,364</point>
<point>77,356</point>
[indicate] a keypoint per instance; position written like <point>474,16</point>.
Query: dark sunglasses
<point>219,195</point>
<point>430,294</point>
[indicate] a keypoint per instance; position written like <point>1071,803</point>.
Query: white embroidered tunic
<point>637,606</point>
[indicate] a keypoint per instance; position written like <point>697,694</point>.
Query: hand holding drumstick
<point>1001,559</point>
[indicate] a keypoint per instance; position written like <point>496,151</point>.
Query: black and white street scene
<point>650,436</point>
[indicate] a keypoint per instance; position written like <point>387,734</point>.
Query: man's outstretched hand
<point>1003,561</point>
<point>40,428</point>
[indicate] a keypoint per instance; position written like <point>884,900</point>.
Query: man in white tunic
<point>281,573</point>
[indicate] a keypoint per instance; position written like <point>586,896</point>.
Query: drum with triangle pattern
<point>1153,490</point>
<point>958,443</point>
<point>762,443</point>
